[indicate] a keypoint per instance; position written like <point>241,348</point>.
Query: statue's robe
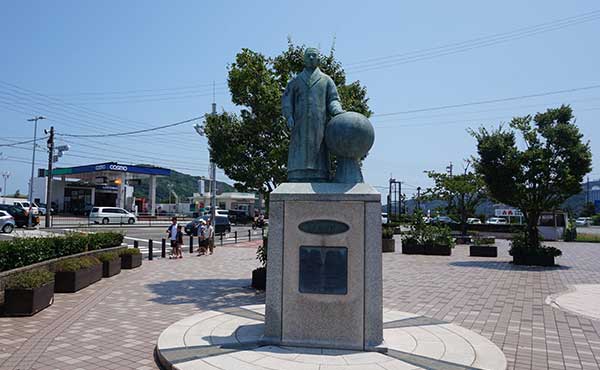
<point>310,98</point>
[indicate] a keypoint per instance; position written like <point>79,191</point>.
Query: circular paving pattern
<point>229,339</point>
<point>582,299</point>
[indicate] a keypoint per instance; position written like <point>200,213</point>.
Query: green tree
<point>251,147</point>
<point>539,174</point>
<point>463,193</point>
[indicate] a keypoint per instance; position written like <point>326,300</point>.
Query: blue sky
<point>113,66</point>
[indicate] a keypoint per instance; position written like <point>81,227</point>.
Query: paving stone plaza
<point>116,323</point>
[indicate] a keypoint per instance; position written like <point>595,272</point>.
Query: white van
<point>37,210</point>
<point>106,215</point>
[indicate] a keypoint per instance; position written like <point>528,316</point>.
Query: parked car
<point>473,221</point>
<point>496,221</point>
<point>44,206</point>
<point>20,215</point>
<point>37,210</point>
<point>444,220</point>
<point>583,221</point>
<point>106,215</point>
<point>222,225</point>
<point>384,218</point>
<point>237,216</point>
<point>7,222</point>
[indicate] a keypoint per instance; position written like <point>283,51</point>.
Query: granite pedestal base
<point>324,266</point>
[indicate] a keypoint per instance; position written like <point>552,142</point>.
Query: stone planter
<point>27,302</point>
<point>72,281</point>
<point>463,239</point>
<point>388,245</point>
<point>483,251</point>
<point>131,261</point>
<point>428,250</point>
<point>111,268</point>
<point>533,260</point>
<point>259,278</point>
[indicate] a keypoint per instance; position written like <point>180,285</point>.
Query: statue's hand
<point>290,123</point>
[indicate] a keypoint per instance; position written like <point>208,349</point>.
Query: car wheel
<point>105,221</point>
<point>8,228</point>
<point>131,221</point>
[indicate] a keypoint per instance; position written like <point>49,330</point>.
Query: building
<point>77,189</point>
<point>247,202</point>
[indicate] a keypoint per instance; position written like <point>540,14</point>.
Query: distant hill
<point>183,185</point>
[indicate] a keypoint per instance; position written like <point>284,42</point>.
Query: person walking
<point>210,234</point>
<point>179,241</point>
<point>172,235</point>
<point>202,241</point>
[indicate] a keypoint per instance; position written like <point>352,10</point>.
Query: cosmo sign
<point>508,212</point>
<point>111,167</point>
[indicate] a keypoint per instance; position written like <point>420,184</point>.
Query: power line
<point>138,131</point>
<point>121,92</point>
<point>453,48</point>
<point>481,102</point>
<point>21,142</point>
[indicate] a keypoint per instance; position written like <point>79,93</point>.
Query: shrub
<point>129,251</point>
<point>570,233</point>
<point>484,241</point>
<point>519,247</point>
<point>387,232</point>
<point>421,233</point>
<point>20,252</point>
<point>261,252</point>
<point>75,264</point>
<point>107,256</point>
<point>30,279</point>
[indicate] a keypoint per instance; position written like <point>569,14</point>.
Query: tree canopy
<point>251,146</point>
<point>542,172</point>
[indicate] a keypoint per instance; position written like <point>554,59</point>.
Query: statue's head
<point>311,58</point>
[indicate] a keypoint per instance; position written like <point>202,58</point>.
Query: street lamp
<point>35,121</point>
<point>213,175</point>
<point>5,176</point>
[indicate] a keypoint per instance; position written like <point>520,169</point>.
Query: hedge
<point>20,252</point>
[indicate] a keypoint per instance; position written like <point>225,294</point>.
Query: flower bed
<point>77,273</point>
<point>111,264</point>
<point>130,258</point>
<point>483,247</point>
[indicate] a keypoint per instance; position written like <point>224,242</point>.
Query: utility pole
<point>49,176</point>
<point>449,169</point>
<point>587,193</point>
<point>5,176</point>
<point>419,198</point>
<point>213,173</point>
<point>35,121</point>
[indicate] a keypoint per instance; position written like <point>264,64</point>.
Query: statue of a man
<point>307,104</point>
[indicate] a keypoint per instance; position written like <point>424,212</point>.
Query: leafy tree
<point>539,174</point>
<point>463,193</point>
<point>589,209</point>
<point>251,147</point>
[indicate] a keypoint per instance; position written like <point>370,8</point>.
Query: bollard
<point>221,237</point>
<point>262,232</point>
<point>163,252</point>
<point>191,244</point>
<point>136,244</point>
<point>150,252</point>
<point>235,236</point>
<point>249,235</point>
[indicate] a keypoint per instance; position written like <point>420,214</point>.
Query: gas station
<point>77,189</point>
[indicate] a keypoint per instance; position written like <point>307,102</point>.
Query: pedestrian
<point>172,235</point>
<point>179,241</point>
<point>210,233</point>
<point>202,240</point>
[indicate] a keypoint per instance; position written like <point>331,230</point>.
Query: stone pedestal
<point>324,285</point>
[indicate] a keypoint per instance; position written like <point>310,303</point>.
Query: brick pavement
<point>114,324</point>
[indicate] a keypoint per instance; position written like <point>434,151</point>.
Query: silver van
<point>114,215</point>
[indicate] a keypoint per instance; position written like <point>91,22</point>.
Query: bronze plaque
<point>323,227</point>
<point>323,270</point>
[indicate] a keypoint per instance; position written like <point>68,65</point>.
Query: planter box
<point>483,251</point>
<point>259,278</point>
<point>72,281</point>
<point>534,260</point>
<point>131,261</point>
<point>27,302</point>
<point>111,268</point>
<point>388,245</point>
<point>429,250</point>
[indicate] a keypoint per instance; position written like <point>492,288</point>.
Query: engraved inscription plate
<point>323,270</point>
<point>323,227</point>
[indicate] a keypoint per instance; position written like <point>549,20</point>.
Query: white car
<point>473,221</point>
<point>106,215</point>
<point>583,221</point>
<point>7,222</point>
<point>496,221</point>
<point>37,210</point>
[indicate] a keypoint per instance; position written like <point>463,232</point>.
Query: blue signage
<point>113,166</point>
